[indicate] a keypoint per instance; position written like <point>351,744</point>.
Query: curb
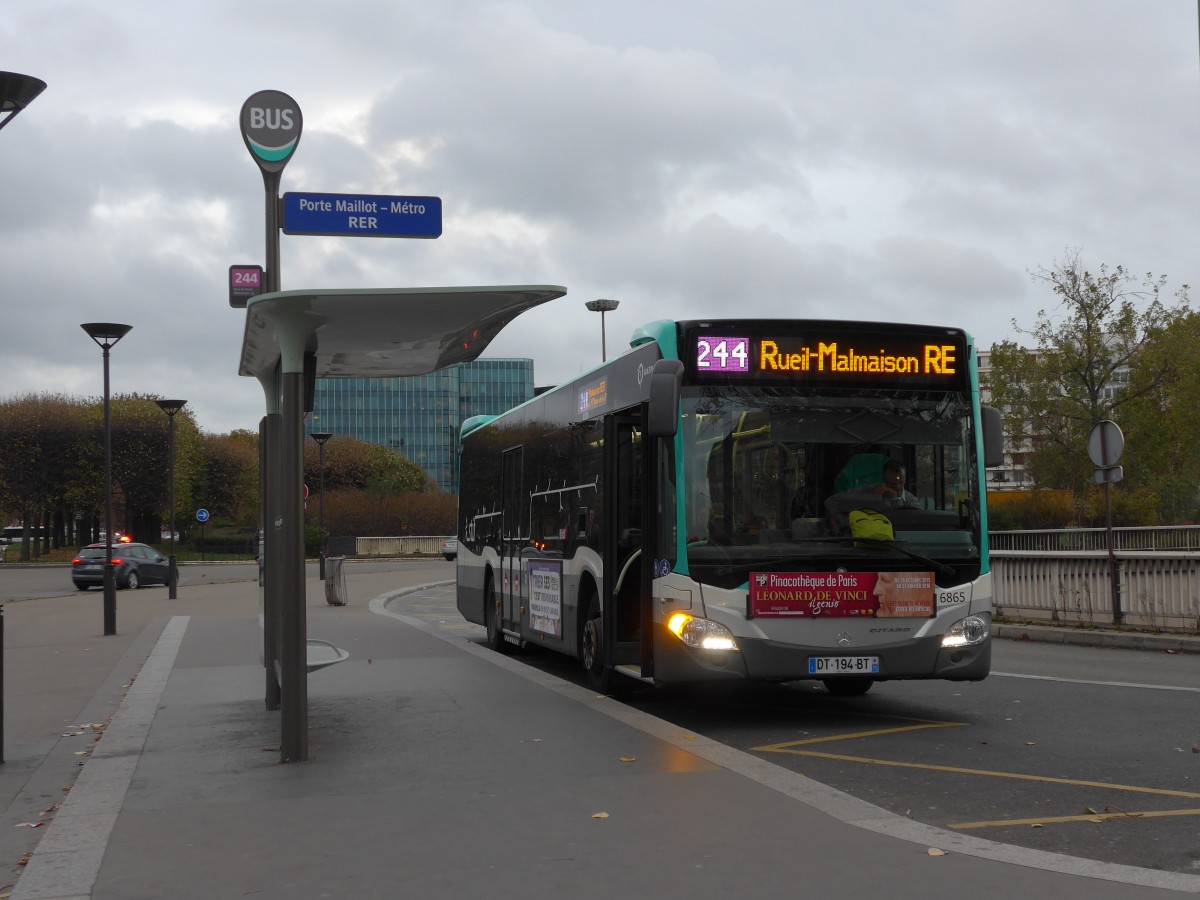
<point>1126,640</point>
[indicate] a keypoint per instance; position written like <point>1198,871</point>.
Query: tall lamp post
<point>321,437</point>
<point>602,306</point>
<point>16,92</point>
<point>106,334</point>
<point>170,407</point>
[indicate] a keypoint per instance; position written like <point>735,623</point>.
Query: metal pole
<point>110,586</point>
<point>603,345</point>
<point>173,577</point>
<point>171,407</point>
<point>1118,615</point>
<point>321,504</point>
<point>293,650</point>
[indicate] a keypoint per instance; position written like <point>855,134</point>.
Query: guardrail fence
<point>1063,576</point>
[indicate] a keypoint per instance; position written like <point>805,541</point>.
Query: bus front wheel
<point>591,648</point>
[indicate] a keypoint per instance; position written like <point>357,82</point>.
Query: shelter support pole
<point>293,649</point>
<point>269,492</point>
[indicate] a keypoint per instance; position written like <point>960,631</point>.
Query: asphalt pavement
<point>145,765</point>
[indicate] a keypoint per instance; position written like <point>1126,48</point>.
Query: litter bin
<point>335,581</point>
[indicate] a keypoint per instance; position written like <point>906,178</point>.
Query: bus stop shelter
<point>291,339</point>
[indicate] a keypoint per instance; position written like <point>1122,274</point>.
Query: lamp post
<point>321,437</point>
<point>602,306</point>
<point>170,407</point>
<point>16,93</point>
<point>106,334</point>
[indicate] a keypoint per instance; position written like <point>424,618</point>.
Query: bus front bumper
<point>757,659</point>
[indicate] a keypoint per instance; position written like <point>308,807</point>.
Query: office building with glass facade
<point>420,416</point>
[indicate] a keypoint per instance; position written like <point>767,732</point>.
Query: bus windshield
<point>777,479</point>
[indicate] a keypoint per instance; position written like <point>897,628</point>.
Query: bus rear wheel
<point>848,687</point>
<point>491,616</point>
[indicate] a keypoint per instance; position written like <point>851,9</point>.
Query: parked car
<point>134,566</point>
<point>450,548</point>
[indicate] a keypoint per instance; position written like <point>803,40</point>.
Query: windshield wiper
<point>943,569</point>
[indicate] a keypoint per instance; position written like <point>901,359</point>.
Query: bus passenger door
<point>513,537</point>
<point>627,567</point>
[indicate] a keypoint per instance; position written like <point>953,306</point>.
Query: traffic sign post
<point>1106,443</point>
<point>202,517</point>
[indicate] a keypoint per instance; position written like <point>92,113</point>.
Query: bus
<point>711,505</point>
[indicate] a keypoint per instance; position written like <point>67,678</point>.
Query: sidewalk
<point>437,769</point>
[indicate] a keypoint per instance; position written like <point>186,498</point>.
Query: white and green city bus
<point>712,504</point>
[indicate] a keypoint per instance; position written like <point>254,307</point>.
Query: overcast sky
<point>772,158</point>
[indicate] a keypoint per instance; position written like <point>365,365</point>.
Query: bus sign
<point>245,282</point>
<point>831,354</point>
<point>362,215</point>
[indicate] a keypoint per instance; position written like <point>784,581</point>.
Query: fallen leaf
<point>934,851</point>
<point>1089,811</point>
<point>1030,744</point>
<point>1196,748</point>
<point>628,759</point>
<point>30,824</point>
<point>1037,825</point>
<point>600,815</point>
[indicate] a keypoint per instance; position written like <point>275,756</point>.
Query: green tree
<point>1162,430</point>
<point>229,477</point>
<point>1108,325</point>
<point>358,465</point>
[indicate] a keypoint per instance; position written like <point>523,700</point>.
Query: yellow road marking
<point>921,726</point>
<point>1097,817</point>
<point>958,770</point>
<point>795,749</point>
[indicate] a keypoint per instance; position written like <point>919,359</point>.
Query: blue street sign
<point>202,515</point>
<point>362,215</point>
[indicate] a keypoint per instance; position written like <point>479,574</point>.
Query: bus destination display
<point>919,359</point>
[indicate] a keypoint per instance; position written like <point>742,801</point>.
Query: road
<point>30,582</point>
<point>1089,752</point>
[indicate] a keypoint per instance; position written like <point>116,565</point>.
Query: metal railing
<point>416,545</point>
<point>1160,589</point>
<point>1170,537</point>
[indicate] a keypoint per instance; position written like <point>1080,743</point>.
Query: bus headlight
<point>701,633</point>
<point>971,630</point>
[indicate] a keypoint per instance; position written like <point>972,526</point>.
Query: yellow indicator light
<point>678,622</point>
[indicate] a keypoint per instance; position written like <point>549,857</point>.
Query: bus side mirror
<point>662,418</point>
<point>993,436</point>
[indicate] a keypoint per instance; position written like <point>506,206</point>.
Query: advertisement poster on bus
<point>842,594</point>
<point>545,597</point>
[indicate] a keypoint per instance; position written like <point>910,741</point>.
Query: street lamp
<point>602,306</point>
<point>321,437</point>
<point>106,334</point>
<point>170,407</point>
<point>16,93</point>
